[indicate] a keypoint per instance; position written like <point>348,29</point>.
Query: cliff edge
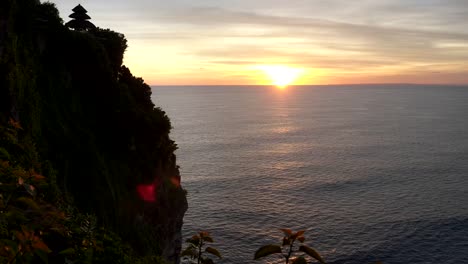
<point>73,114</point>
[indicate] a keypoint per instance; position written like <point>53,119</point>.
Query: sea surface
<point>370,172</point>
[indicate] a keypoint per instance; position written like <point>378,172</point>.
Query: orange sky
<point>331,42</point>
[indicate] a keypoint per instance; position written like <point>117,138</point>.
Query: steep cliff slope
<point>96,136</point>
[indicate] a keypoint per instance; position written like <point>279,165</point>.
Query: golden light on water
<point>280,75</point>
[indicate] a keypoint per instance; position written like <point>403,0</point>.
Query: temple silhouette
<point>80,19</point>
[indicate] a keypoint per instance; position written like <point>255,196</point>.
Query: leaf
<point>311,252</point>
<point>55,214</point>
<point>207,239</point>
<point>207,261</point>
<point>30,189</point>
<point>287,232</point>
<point>300,233</point>
<point>301,239</point>
<point>29,202</point>
<point>14,123</point>
<point>4,164</point>
<point>213,251</point>
<point>23,236</point>
<point>9,245</point>
<point>194,240</point>
<point>204,234</point>
<point>40,245</point>
<point>189,252</point>
<point>286,241</point>
<point>16,215</point>
<point>37,176</point>
<point>7,251</point>
<point>42,255</point>
<point>68,251</point>
<point>266,251</point>
<point>300,260</point>
<point>4,154</point>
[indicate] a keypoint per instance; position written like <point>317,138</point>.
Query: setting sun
<point>281,76</point>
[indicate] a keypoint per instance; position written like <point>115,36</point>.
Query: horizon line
<point>298,85</point>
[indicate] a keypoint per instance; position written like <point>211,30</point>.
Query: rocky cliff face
<point>166,216</point>
<point>94,123</point>
<point>159,222</point>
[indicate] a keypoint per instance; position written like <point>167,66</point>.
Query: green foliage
<point>267,250</point>
<point>24,215</point>
<point>311,252</point>
<point>33,229</point>
<point>194,252</point>
<point>47,16</point>
<point>89,135</point>
<point>288,247</point>
<point>115,45</point>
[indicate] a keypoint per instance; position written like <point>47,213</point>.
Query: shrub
<point>289,248</point>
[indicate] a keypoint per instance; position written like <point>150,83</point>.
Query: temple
<point>80,19</point>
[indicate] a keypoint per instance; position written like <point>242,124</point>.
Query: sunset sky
<point>217,42</point>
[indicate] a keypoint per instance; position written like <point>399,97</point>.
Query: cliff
<point>88,126</point>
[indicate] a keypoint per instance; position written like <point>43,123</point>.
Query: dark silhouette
<point>80,19</point>
<point>79,136</point>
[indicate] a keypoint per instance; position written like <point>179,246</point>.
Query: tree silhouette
<point>80,19</point>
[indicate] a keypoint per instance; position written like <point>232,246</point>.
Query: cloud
<point>416,36</point>
<point>404,43</point>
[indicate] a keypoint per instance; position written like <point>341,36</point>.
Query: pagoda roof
<point>80,25</point>
<point>82,16</point>
<point>79,9</point>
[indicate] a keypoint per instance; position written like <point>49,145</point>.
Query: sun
<point>281,76</point>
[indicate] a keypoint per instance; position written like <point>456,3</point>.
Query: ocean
<point>371,172</point>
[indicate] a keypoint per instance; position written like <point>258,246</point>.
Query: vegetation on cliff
<point>80,137</point>
<point>197,249</point>
<point>287,250</point>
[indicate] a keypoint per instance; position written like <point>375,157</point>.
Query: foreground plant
<point>288,245</point>
<point>194,251</point>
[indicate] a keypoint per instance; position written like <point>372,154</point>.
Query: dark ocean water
<point>371,172</point>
